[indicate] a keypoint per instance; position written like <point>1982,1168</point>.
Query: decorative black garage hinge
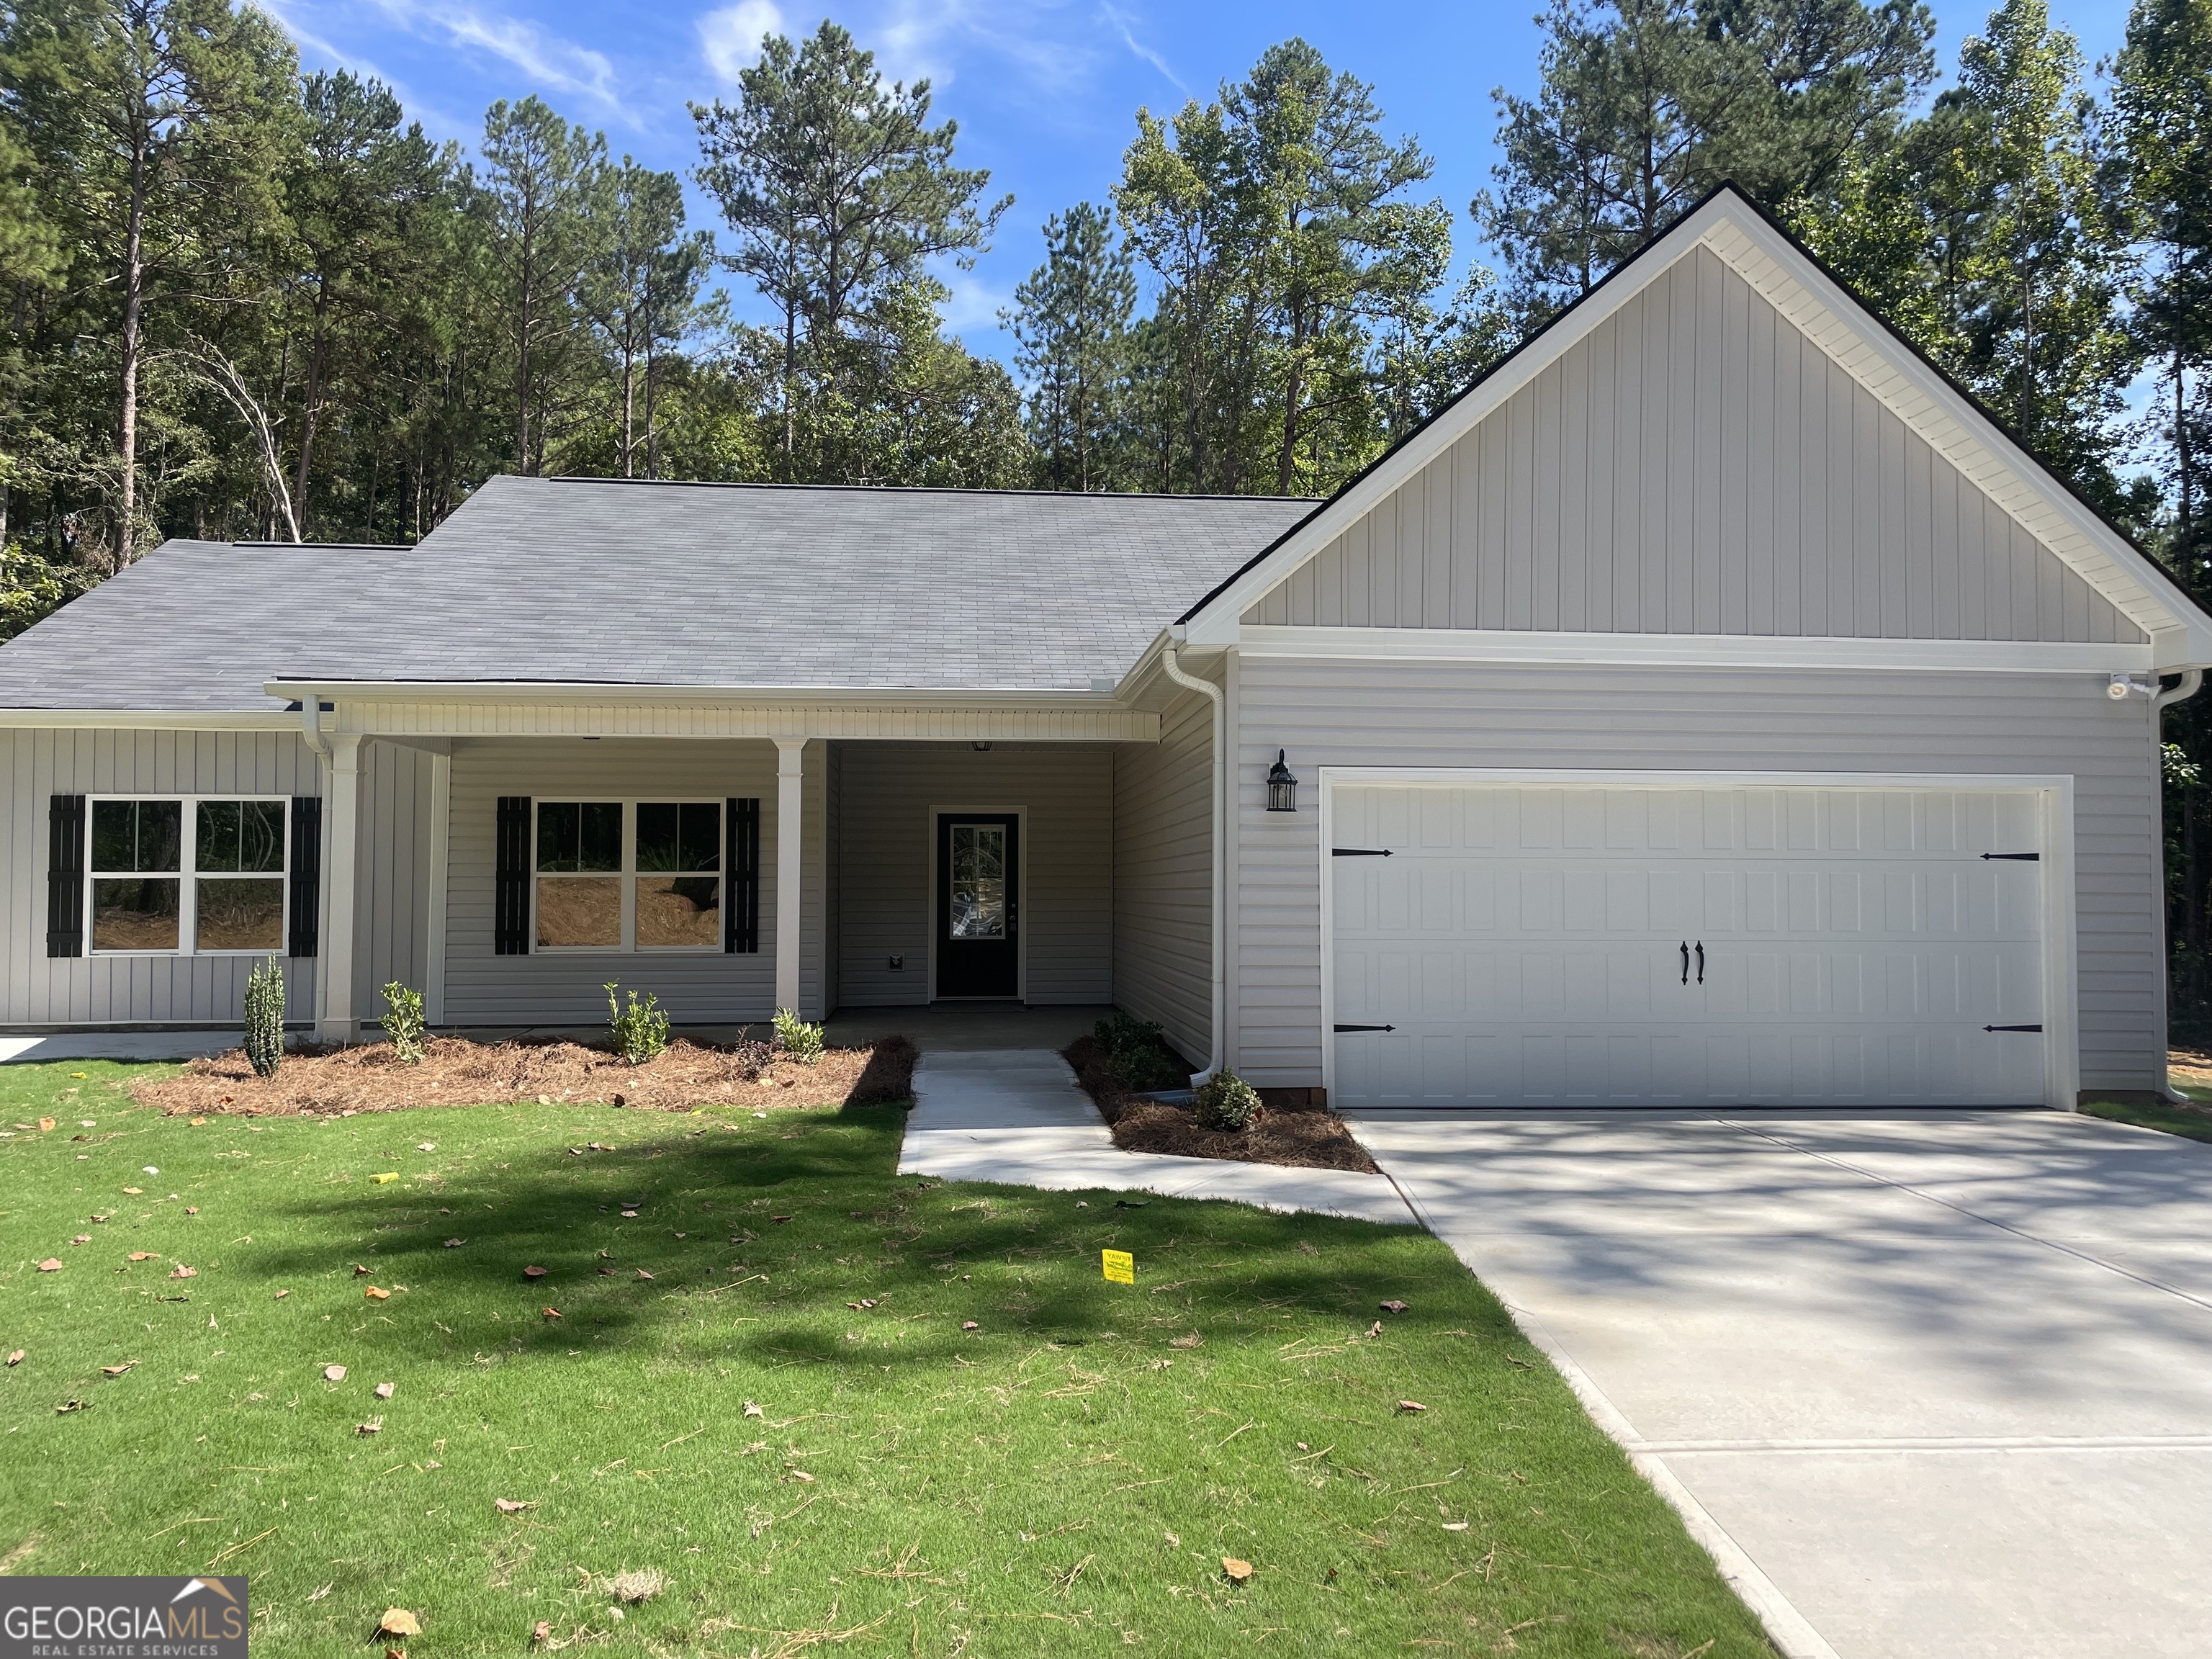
<point>1364,1028</point>
<point>1360,851</point>
<point>2012,1028</point>
<point>2023,858</point>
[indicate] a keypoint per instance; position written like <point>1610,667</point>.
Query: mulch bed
<point>1309,1138</point>
<point>454,1071</point>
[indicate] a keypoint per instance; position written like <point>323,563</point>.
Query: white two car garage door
<point>1600,945</point>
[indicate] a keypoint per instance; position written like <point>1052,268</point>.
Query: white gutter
<point>1174,670</point>
<point>2190,683</point>
<point>311,724</point>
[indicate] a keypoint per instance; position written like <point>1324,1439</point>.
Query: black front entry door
<point>978,915</point>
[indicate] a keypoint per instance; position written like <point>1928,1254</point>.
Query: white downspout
<point>2192,682</point>
<point>310,723</point>
<point>1220,838</point>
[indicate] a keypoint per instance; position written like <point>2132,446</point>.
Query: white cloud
<point>732,37</point>
<point>1129,39</point>
<point>559,65</point>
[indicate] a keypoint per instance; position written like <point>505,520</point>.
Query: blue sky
<point>1044,91</point>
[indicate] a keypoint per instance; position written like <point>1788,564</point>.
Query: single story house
<point>1712,706</point>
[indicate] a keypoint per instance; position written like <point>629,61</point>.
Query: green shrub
<point>1226,1102</point>
<point>802,1041</point>
<point>640,1031</point>
<point>1137,1056</point>
<point>265,1017</point>
<point>403,1022</point>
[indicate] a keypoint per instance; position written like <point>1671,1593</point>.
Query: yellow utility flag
<point>1119,1266</point>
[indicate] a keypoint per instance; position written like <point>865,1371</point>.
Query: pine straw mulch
<point>1308,1138</point>
<point>454,1071</point>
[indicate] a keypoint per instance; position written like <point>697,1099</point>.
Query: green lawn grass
<point>1064,1480</point>
<point>2172,1120</point>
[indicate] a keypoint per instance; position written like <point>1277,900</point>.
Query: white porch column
<point>335,1021</point>
<point>789,881</point>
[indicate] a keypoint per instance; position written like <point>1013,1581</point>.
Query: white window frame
<point>627,875</point>
<point>187,877</point>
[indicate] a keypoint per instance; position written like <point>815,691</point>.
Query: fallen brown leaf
<point>383,1391</point>
<point>180,1271</point>
<point>191,1209</point>
<point>397,1621</point>
<point>1411,1406</point>
<point>552,1313</point>
<point>116,1371</point>
<point>970,1325</point>
<point>865,1301</point>
<point>374,1425</point>
<point>196,1122</point>
<point>46,1126</point>
<point>542,1631</point>
<point>360,1272</point>
<point>135,1192</point>
<point>376,1293</point>
<point>53,1264</point>
<point>145,1255</point>
<point>753,1407</point>
<point>1375,1329</point>
<point>533,1271</point>
<point>333,1373</point>
<point>82,1238</point>
<point>641,1273</point>
<point>455,1243</point>
<point>1238,1572</point>
<point>280,1295</point>
<point>1394,1306</point>
<point>15,1358</point>
<point>1192,1340</point>
<point>513,1506</point>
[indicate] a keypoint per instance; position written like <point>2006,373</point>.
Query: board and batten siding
<point>563,987</point>
<point>887,845</point>
<point>392,874</point>
<point>1736,720</point>
<point>1163,877</point>
<point>1696,466</point>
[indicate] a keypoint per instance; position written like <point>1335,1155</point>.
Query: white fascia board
<point>1691,650</point>
<point>688,696</point>
<point>150,720</point>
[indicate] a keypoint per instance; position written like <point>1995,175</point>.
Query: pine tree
<point>1070,320</point>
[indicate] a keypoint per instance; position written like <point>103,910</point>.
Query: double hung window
<point>629,875</point>
<point>188,875</point>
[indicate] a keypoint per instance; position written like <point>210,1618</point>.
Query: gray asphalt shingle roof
<point>693,584</point>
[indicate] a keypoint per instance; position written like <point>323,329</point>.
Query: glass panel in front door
<point>979,881</point>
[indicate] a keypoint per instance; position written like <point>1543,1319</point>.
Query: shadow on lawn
<point>902,1242</point>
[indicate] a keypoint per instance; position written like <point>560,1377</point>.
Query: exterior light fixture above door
<point>1282,787</point>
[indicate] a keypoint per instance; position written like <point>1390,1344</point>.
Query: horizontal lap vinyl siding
<point>887,843</point>
<point>700,987</point>
<point>45,762</point>
<point>1163,877</point>
<point>1473,715</point>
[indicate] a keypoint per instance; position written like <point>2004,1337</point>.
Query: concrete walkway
<point>1018,1115</point>
<point>1934,1386</point>
<point>118,1045</point>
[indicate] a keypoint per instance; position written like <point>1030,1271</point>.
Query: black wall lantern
<point>1282,787</point>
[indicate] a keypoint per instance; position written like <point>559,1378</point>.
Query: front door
<point>978,915</point>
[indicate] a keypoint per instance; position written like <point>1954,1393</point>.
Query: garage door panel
<point>1526,943</point>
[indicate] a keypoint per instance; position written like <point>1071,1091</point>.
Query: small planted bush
<point>265,1018</point>
<point>403,1022</point>
<point>1137,1056</point>
<point>640,1031</point>
<point>801,1041</point>
<point>1226,1104</point>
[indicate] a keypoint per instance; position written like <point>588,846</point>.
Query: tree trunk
<point>310,408</point>
<point>522,342</point>
<point>134,300</point>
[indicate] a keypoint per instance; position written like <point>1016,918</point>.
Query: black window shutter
<point>511,884</point>
<point>66,875</point>
<point>306,918</point>
<point>741,857</point>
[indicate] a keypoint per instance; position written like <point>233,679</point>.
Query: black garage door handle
<point>2012,1028</point>
<point>1363,1028</point>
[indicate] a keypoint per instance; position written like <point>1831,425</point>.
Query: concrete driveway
<point>1936,1385</point>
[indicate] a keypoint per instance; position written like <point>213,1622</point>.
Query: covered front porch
<point>992,866</point>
